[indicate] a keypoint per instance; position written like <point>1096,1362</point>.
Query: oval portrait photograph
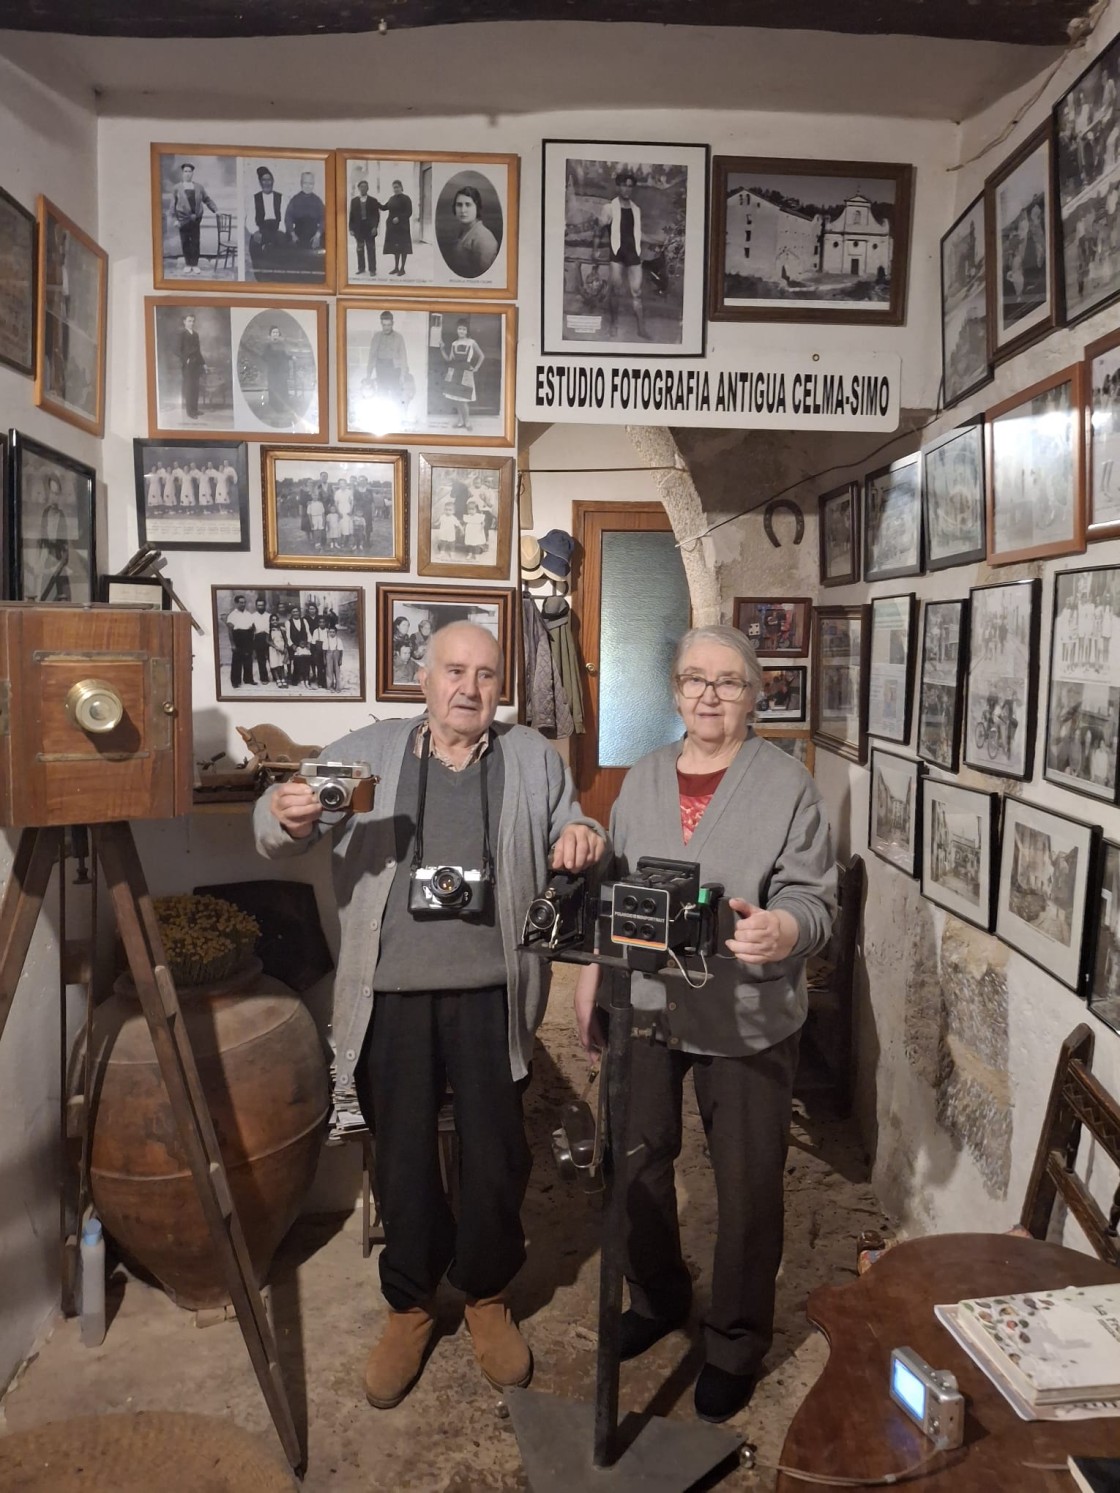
<point>469,224</point>
<point>276,371</point>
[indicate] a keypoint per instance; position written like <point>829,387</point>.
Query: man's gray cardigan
<point>537,802</point>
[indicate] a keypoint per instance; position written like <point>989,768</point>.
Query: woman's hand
<point>762,937</point>
<point>577,847</point>
<point>296,808</point>
<point>588,1025</point>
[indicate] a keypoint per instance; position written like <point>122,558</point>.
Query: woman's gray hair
<point>726,637</point>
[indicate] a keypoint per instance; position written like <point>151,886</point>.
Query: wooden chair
<point>826,1042</point>
<point>225,255</point>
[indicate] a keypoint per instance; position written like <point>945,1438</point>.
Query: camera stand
<point>572,1447</point>
<point>19,912</point>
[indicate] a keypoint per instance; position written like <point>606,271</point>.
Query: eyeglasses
<point>694,686</point>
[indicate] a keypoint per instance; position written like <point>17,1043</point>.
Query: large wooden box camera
<point>95,714</point>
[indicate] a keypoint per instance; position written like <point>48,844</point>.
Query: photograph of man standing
<point>365,215</point>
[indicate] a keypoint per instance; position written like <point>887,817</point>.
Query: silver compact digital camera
<point>930,1398</point>
<point>340,785</point>
<point>449,891</point>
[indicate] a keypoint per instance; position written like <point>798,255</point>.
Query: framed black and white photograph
<point>777,626</point>
<point>954,511</point>
<point>464,516</point>
<point>960,831</point>
<point>1046,869</point>
<point>890,693</point>
<point>1036,471</point>
<point>1101,386</point>
<point>1003,626</point>
<point>1104,984</point>
<point>17,285</point>
<point>824,241</point>
<point>941,693</point>
<point>892,520</point>
<point>407,618</point>
<point>51,529</point>
<point>289,643</point>
<point>71,297</point>
<point>838,535</point>
<point>251,368</point>
<point>839,685</point>
<point>894,830</point>
<point>242,219</point>
<point>622,233</point>
<point>146,591</point>
<point>1084,710</point>
<point>1086,124</point>
<point>427,223</point>
<point>964,306</point>
<point>796,743</point>
<point>192,495</point>
<point>334,510</point>
<point>433,372</point>
<point>782,696</point>
<point>1021,266</point>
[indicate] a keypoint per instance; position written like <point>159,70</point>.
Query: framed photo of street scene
<point>782,696</point>
<point>1086,120</point>
<point>1022,280</point>
<point>248,369</point>
<point>622,233</point>
<point>430,371</point>
<point>823,241</point>
<point>941,692</point>
<point>839,680</point>
<point>1102,434</point>
<point>242,219</point>
<point>1003,627</point>
<point>1036,471</point>
<point>1046,870</point>
<point>892,520</point>
<point>965,363</point>
<point>1084,693</point>
<point>51,533</point>
<point>960,831</point>
<point>17,285</point>
<point>894,830</point>
<point>289,642</point>
<point>464,516</point>
<point>795,742</point>
<point>1104,985</point>
<point>427,223</point>
<point>890,691</point>
<point>954,511</point>
<point>408,616</point>
<point>71,294</point>
<point>779,627</point>
<point>192,495</point>
<point>334,510</point>
<point>838,535</point>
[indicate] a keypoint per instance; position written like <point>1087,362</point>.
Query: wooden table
<point>848,1426</point>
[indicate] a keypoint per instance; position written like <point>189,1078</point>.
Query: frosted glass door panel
<point>644,609</point>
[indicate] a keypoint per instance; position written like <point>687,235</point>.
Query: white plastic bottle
<point>92,1253</point>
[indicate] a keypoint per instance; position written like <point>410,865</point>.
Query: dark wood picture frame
<point>964,303</point>
<point>276,465</point>
<point>1081,749</point>
<point>954,470</point>
<point>1008,422</point>
<point>941,690</point>
<point>901,484</point>
<point>18,268</point>
<point>56,548</point>
<point>465,602</point>
<point>752,616</point>
<point>1081,136</point>
<point>946,842</point>
<point>430,498</point>
<point>797,742</point>
<point>71,320</point>
<point>300,663</point>
<point>781,697</point>
<point>990,731</point>
<point>829,687</point>
<point>1101,390</point>
<point>830,506</point>
<point>890,695</point>
<point>889,816</point>
<point>1002,265</point>
<point>1103,993</point>
<point>182,527</point>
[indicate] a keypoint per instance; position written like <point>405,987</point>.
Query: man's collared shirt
<point>424,730</point>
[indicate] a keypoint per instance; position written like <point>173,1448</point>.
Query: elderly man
<point>431,993</point>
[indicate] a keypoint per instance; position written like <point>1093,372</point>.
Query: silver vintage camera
<point>449,891</point>
<point>340,785</point>
<point>930,1398</point>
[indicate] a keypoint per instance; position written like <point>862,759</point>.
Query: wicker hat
<point>530,557</point>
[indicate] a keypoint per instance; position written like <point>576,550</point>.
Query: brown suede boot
<point>394,1362</point>
<point>503,1354</point>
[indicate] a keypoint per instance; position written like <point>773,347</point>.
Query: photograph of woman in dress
<point>398,228</point>
<point>475,248</point>
<point>464,358</point>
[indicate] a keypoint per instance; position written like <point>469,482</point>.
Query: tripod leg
<point>19,912</point>
<point>139,931</point>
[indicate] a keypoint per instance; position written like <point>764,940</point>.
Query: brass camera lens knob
<point>94,706</point>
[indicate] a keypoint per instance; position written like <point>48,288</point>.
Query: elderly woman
<point>752,818</point>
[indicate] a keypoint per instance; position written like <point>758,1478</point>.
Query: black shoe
<point>720,1395</point>
<point>637,1334</point>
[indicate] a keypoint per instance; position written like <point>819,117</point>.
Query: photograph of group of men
<point>277,642</point>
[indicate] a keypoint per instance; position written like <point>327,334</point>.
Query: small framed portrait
<point>408,616</point>
<point>71,294</point>
<point>797,744</point>
<point>941,694</point>
<point>890,692</point>
<point>960,831</point>
<point>246,368</point>
<point>838,535</point>
<point>429,223</point>
<point>840,669</point>
<point>782,696</point>
<point>146,591</point>
<point>1021,270</point>
<point>242,219</point>
<point>334,510</point>
<point>1104,985</point>
<point>289,643</point>
<point>51,529</point>
<point>779,627</point>
<point>1046,868</point>
<point>892,520</point>
<point>192,495</point>
<point>964,306</point>
<point>1101,385</point>
<point>1036,478</point>
<point>427,371</point>
<point>465,516</point>
<point>953,500</point>
<point>824,241</point>
<point>17,285</point>
<point>622,235</point>
<point>894,830</point>
<point>1084,696</point>
<point>1003,625</point>
<point>1086,120</point>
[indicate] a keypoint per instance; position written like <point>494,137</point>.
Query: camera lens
<point>332,796</point>
<point>649,906</point>
<point>629,904</point>
<point>542,914</point>
<point>629,929</point>
<point>649,932</point>
<point>447,885</point>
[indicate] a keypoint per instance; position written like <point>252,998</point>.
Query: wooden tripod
<point>115,847</point>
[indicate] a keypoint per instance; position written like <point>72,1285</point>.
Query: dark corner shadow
<point>819,1131</point>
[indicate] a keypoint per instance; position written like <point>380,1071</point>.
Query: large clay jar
<point>265,1078</point>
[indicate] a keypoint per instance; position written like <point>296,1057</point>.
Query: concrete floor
<point>448,1435</point>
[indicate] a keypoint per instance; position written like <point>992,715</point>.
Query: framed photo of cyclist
<point>1036,471</point>
<point>960,828</point>
<point>941,695</point>
<point>1084,693</point>
<point>1047,863</point>
<point>1002,678</point>
<point>839,680</point>
<point>894,829</point>
<point>890,689</point>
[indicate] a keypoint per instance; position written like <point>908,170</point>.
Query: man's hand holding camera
<point>761,937</point>
<point>297,809</point>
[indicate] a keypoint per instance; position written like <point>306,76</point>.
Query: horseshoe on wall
<point>768,520</point>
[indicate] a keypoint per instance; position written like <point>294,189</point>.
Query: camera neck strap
<point>422,797</point>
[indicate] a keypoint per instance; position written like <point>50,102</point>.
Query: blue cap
<point>91,1232</point>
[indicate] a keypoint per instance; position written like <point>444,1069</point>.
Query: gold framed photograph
<point>1036,471</point>
<point>71,288</point>
<point>796,742</point>
<point>334,510</point>
<point>465,516</point>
